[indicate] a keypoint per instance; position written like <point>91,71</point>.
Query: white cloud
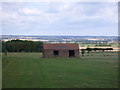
<point>106,13</point>
<point>65,13</point>
<point>71,12</point>
<point>30,11</point>
<point>13,19</point>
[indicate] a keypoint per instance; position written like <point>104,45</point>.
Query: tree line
<point>22,46</point>
<point>103,45</point>
<point>94,49</point>
<point>99,49</point>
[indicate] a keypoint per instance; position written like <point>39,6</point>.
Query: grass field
<point>29,70</point>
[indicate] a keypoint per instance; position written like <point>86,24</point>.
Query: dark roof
<point>60,46</point>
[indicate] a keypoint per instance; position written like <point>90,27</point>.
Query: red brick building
<point>60,50</point>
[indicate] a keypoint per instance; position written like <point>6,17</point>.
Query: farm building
<point>60,50</point>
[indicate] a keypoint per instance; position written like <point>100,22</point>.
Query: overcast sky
<point>60,18</point>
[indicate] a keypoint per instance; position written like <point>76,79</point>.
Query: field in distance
<point>30,70</point>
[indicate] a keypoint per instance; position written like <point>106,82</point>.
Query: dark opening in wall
<point>56,53</point>
<point>71,53</point>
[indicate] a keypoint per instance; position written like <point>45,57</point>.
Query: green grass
<point>29,70</point>
<point>0,70</point>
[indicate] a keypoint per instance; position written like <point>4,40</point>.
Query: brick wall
<point>62,53</point>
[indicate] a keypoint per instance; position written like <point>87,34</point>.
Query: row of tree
<point>22,46</point>
<point>103,45</point>
<point>96,49</point>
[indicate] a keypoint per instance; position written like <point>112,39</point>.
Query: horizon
<point>56,35</point>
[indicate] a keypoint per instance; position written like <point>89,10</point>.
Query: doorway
<point>56,53</point>
<point>71,53</point>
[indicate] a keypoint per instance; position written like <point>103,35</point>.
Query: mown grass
<point>30,70</point>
